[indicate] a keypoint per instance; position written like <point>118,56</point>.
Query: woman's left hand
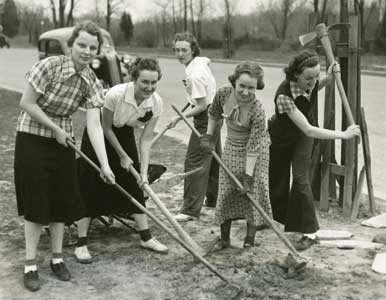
<point>143,180</point>
<point>107,175</point>
<point>173,122</point>
<point>333,68</point>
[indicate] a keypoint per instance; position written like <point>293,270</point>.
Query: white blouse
<point>120,100</point>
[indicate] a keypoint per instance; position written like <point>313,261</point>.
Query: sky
<point>140,9</point>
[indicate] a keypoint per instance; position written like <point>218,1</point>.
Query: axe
<point>321,32</point>
<point>163,185</point>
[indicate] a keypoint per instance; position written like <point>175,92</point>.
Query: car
<point>108,66</point>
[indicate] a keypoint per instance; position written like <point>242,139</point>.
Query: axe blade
<point>163,185</point>
<point>306,38</point>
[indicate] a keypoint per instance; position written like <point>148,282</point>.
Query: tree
<point>114,7</point>
<point>10,20</point>
<point>32,18</point>
<point>127,26</point>
<point>164,20</point>
<point>228,48</point>
<point>59,18</point>
<point>381,30</point>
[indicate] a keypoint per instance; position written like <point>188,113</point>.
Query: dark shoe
<point>221,245</point>
<point>250,242</point>
<point>31,281</point>
<point>61,271</point>
<point>304,243</point>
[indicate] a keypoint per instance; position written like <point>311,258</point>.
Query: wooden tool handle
<point>322,32</point>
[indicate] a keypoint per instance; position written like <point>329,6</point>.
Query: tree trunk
<point>62,7</point>
<point>53,9</point>
<point>192,17</point>
<point>70,17</point>
<point>185,15</point>
<point>174,17</point>
<point>108,15</point>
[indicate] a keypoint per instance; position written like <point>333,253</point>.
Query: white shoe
<point>184,218</point>
<point>154,245</point>
<point>82,255</point>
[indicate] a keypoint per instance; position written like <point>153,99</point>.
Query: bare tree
<point>59,18</point>
<point>31,18</point>
<point>164,4</point>
<point>192,17</point>
<point>228,44</point>
<point>174,16</point>
<point>185,15</point>
<point>114,7</point>
<point>279,14</point>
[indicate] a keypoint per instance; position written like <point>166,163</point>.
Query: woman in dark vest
<point>293,128</point>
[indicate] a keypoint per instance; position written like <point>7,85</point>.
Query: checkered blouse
<point>62,90</point>
<point>286,104</point>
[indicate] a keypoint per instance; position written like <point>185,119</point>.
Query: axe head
<point>308,37</point>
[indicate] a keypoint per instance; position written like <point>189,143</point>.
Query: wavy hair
<point>89,27</point>
<point>251,68</point>
<point>188,37</point>
<point>307,58</point>
<point>147,63</point>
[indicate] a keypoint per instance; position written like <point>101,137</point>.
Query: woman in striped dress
<point>246,151</point>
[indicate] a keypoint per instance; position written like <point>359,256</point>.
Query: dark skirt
<point>47,188</point>
<point>104,199</point>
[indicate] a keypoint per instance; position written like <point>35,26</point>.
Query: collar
<point>130,99</point>
<point>68,69</point>
<point>296,91</point>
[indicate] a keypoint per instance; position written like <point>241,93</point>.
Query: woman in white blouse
<point>128,105</point>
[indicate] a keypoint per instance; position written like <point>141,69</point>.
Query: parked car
<point>108,66</point>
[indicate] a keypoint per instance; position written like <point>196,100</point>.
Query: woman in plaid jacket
<point>46,183</point>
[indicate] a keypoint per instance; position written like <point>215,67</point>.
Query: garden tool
<point>182,242</point>
<point>299,261</point>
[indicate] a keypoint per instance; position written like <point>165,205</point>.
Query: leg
<point>82,254</point>
<point>250,237</point>
<point>32,233</point>
<point>212,190</point>
<point>57,263</point>
<point>301,211</point>
<point>147,241</point>
<point>279,181</point>
<point>224,242</point>
<point>195,186</point>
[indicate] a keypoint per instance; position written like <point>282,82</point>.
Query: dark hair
<point>251,68</point>
<point>188,37</point>
<point>149,64</point>
<point>89,27</point>
<point>308,58</point>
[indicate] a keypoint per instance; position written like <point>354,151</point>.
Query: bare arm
<point>95,134</point>
<point>320,133</point>
<point>29,104</point>
<point>145,146</point>
<point>196,110</point>
<point>328,79</point>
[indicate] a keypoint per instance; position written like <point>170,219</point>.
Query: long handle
<point>275,228</point>
<point>181,232</point>
<point>155,219</point>
<point>162,132</point>
<point>322,32</point>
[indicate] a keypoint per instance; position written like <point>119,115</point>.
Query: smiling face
<point>145,85</point>
<point>183,52</point>
<point>245,88</point>
<point>307,79</point>
<point>84,49</point>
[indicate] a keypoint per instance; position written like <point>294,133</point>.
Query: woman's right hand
<point>126,162</point>
<point>107,175</point>
<point>61,137</point>
<point>352,131</point>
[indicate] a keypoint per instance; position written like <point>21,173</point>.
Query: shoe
<point>184,218</point>
<point>304,243</point>
<point>250,242</point>
<point>154,245</point>
<point>82,255</point>
<point>221,245</point>
<point>31,281</point>
<point>61,271</point>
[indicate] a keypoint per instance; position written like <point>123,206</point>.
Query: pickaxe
<point>321,32</point>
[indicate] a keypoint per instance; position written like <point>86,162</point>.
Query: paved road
<point>15,62</point>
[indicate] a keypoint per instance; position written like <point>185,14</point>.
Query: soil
<point>122,270</point>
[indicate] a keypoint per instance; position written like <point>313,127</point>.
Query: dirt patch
<point>122,270</point>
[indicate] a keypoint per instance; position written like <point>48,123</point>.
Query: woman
<point>46,183</point>
<point>128,105</point>
<point>292,129</point>
<point>200,86</point>
<point>245,151</point>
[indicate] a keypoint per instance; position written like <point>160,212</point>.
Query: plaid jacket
<point>62,90</point>
<point>285,103</point>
